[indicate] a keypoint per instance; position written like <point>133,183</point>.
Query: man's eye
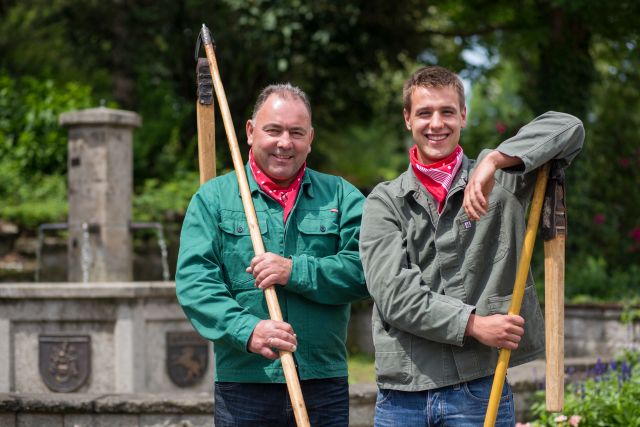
<point>273,132</point>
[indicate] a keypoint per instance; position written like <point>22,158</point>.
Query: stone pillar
<point>100,177</point>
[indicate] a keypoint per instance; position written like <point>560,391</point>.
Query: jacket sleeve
<point>401,297</point>
<point>334,279</point>
<point>550,136</point>
<point>200,286</point>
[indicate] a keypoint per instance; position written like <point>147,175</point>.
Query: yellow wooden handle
<point>286,358</point>
<point>518,291</point>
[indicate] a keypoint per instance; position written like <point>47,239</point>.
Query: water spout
<point>161,243</point>
<point>85,253</point>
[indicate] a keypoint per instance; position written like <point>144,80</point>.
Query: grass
<point>361,368</point>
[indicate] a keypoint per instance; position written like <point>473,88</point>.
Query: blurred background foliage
<point>518,60</point>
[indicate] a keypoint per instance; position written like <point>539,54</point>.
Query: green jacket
<point>220,299</point>
<point>427,272</point>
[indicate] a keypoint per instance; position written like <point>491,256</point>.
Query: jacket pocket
<point>237,248</point>
<point>482,243</point>
<point>318,236</point>
<point>533,339</point>
<point>393,367</point>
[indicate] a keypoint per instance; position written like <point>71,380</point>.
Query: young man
<point>310,224</point>
<point>440,247</point>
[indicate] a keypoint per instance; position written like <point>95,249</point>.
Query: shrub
<point>608,398</point>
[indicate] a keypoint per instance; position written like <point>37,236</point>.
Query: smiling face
<point>280,137</point>
<point>435,121</point>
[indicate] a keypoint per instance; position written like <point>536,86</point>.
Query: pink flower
<point>574,420</point>
<point>624,161</point>
<point>501,127</point>
<point>635,234</point>
<point>598,219</point>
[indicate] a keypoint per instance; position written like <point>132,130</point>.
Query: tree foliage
<point>518,58</point>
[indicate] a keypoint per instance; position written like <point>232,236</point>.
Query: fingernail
<point>293,349</point>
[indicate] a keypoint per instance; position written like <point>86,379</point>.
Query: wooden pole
<point>205,121</point>
<point>286,358</point>
<point>518,292</point>
<point>554,230</point>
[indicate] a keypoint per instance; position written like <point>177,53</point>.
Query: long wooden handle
<point>518,292</point>
<point>554,232</point>
<point>286,358</point>
<point>554,322</point>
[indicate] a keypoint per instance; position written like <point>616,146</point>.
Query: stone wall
<point>131,338</point>
<point>140,410</point>
<point>590,331</point>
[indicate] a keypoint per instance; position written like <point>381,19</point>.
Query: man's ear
<point>311,140</point>
<point>463,113</point>
<point>249,130</point>
<point>407,116</point>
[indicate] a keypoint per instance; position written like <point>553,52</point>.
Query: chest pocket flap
<point>240,226</point>
<point>318,236</point>
<point>319,226</point>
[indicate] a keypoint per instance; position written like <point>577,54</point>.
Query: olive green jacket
<point>220,299</point>
<point>427,272</point>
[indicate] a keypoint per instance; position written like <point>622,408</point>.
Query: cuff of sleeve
<point>241,331</point>
<point>467,310</point>
<point>299,278</point>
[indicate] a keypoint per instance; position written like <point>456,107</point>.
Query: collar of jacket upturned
<point>409,184</point>
<point>253,185</point>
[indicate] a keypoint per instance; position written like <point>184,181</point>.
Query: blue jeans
<point>265,405</point>
<point>460,405</point>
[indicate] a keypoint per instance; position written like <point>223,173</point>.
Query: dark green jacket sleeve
<point>200,286</point>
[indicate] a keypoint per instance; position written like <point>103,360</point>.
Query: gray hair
<point>284,90</point>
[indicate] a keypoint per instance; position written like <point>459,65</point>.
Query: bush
<point>609,398</point>
<point>33,147</point>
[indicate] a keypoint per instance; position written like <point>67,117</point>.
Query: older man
<point>310,224</point>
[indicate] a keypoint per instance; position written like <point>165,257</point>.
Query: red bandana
<point>286,196</point>
<point>437,177</point>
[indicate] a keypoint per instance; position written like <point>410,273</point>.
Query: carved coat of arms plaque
<point>187,357</point>
<point>64,361</point>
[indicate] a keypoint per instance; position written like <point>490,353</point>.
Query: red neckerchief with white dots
<point>286,196</point>
<point>437,177</point>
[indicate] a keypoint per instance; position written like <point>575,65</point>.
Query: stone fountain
<point>100,349</point>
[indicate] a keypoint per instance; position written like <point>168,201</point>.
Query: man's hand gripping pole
<point>286,358</point>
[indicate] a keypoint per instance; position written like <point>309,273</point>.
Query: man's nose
<point>436,120</point>
<point>285,140</point>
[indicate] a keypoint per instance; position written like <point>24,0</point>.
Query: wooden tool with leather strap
<point>205,121</point>
<point>286,358</point>
<point>554,232</point>
<point>548,202</point>
<point>518,291</point>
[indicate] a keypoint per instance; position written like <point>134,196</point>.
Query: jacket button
<point>240,229</point>
<point>323,228</point>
